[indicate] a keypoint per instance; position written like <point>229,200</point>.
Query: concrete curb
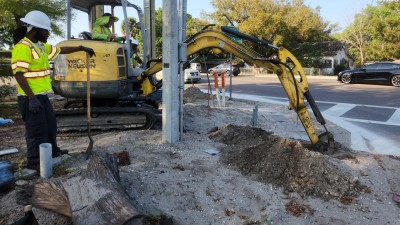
<point>329,77</point>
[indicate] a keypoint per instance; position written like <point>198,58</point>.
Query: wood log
<point>94,196</point>
<point>51,195</point>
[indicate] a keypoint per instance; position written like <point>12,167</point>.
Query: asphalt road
<point>322,88</point>
<point>370,112</point>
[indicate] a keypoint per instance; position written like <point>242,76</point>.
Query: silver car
<point>224,68</point>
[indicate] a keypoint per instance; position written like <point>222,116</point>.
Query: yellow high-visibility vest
<point>33,61</point>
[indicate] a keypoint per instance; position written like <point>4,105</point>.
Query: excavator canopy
<point>85,5</point>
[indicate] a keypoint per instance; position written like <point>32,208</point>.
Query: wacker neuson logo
<point>80,64</point>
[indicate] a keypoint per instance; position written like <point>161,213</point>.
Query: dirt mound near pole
<point>287,163</point>
<point>194,93</point>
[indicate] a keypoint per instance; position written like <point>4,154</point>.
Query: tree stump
<point>95,196</point>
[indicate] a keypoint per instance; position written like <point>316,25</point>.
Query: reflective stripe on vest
<point>53,52</point>
<point>37,74</point>
<point>20,64</point>
<point>35,54</point>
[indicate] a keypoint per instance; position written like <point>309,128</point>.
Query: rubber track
<point>149,112</point>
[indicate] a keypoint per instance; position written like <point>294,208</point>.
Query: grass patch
<point>158,220</point>
<point>62,169</point>
<point>3,219</point>
<point>9,111</point>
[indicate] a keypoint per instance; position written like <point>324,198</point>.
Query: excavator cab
<point>111,76</point>
<point>117,98</point>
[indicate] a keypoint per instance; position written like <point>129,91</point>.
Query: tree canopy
<point>374,34</point>
<point>282,22</point>
<point>133,25</point>
<point>13,11</point>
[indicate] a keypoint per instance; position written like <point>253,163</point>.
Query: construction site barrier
<point>219,92</point>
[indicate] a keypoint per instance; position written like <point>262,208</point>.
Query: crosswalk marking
<point>339,109</point>
<point>395,118</point>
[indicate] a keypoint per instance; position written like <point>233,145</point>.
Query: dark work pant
<point>39,128</point>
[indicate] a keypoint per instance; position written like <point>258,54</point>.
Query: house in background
<point>328,58</point>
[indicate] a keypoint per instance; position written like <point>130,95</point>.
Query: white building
<point>323,57</point>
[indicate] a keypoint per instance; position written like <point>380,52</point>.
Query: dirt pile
<point>248,182</point>
<point>285,162</point>
<point>194,93</point>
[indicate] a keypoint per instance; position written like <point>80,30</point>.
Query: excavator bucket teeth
<point>326,143</point>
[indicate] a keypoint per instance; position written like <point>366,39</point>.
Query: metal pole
<point>170,113</point>
<point>112,13</point>
<point>149,29</point>
<point>127,42</point>
<point>142,28</point>
<point>230,77</point>
<point>182,59</point>
<point>68,19</point>
<point>95,13</point>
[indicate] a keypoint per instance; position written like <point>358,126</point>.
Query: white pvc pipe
<point>46,164</point>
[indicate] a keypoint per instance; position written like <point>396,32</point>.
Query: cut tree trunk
<point>94,196</point>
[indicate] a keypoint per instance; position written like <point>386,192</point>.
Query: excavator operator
<point>101,29</point>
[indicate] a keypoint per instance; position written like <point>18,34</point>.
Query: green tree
<point>13,11</point>
<point>384,27</point>
<point>357,37</point>
<point>374,34</point>
<point>133,25</point>
<point>283,22</point>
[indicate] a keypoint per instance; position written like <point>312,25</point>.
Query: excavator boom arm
<point>281,62</point>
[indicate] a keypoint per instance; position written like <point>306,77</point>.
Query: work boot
<point>59,152</point>
<point>35,167</point>
<point>33,164</point>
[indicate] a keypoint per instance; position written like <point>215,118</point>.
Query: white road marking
<point>339,109</point>
<point>395,118</point>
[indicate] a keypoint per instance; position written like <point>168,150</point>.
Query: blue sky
<point>340,11</point>
<point>334,11</point>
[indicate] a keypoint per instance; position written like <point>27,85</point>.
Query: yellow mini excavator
<point>120,99</point>
<point>277,59</point>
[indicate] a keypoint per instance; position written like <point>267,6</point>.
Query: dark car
<point>224,68</point>
<point>377,73</point>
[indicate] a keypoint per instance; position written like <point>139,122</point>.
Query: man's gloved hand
<point>88,50</point>
<point>34,105</point>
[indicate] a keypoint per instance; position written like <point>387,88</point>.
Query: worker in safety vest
<point>30,65</point>
<point>135,58</point>
<point>101,29</point>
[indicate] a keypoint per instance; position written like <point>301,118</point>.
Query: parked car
<point>224,68</point>
<point>376,73</point>
<point>192,76</point>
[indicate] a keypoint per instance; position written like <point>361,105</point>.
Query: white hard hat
<point>134,41</point>
<point>37,19</point>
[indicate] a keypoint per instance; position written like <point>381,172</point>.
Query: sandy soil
<point>225,171</point>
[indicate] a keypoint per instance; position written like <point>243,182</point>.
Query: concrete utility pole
<point>170,98</point>
<point>182,49</point>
